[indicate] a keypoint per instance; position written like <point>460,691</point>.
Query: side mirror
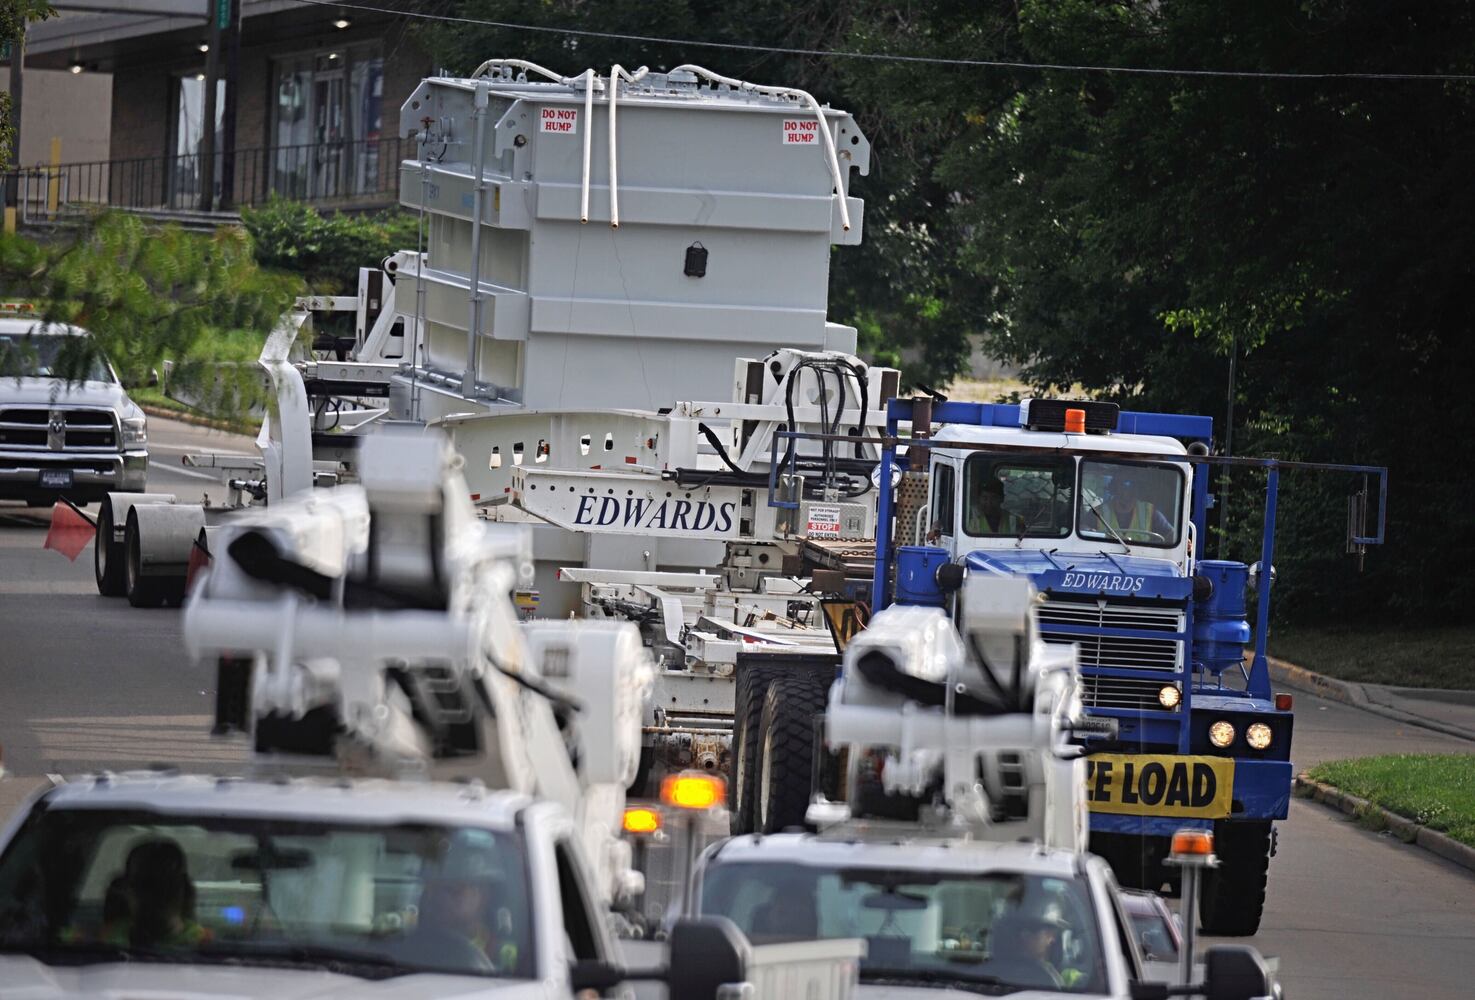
<point>1235,972</point>
<point>707,953</point>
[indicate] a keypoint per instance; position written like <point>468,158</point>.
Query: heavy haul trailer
<point>1104,512</point>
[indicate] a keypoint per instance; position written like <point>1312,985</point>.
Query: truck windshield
<point>1017,497</point>
<point>101,885</point>
<point>1007,930</point>
<point>51,356</point>
<point>1135,502</point>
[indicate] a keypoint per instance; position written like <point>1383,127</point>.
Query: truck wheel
<point>786,750</point>
<point>142,591</point>
<point>1233,895</point>
<point>752,684</point>
<point>108,555</point>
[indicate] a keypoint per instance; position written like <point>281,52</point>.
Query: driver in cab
<point>1126,512</point>
<point>986,513</point>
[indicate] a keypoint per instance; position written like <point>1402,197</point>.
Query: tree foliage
<point>148,293</point>
<point>325,251</point>
<point>14,15</point>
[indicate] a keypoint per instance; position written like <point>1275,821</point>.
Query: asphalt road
<point>87,682</point>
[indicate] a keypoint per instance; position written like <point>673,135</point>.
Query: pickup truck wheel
<point>1233,895</point>
<point>141,590</point>
<point>752,685</point>
<point>786,750</point>
<point>108,555</point>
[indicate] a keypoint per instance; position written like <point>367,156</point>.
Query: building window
<point>326,124</point>
<point>188,166</point>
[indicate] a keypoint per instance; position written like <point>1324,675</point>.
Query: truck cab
<point>1104,512</point>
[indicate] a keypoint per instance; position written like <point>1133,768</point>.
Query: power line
<point>897,57</point>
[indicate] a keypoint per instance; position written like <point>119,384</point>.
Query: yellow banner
<point>1160,785</point>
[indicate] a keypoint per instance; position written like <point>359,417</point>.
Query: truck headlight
<point>1258,735</point>
<point>135,430</point>
<point>1169,696</point>
<point>1221,734</point>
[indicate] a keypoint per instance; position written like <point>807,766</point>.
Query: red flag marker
<point>71,530</point>
<point>199,558</point>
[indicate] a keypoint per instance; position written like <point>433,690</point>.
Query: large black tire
<point>786,748</point>
<point>108,555</point>
<point>1233,895</point>
<point>142,591</point>
<point>752,684</point>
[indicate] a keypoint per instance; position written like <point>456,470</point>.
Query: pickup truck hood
<point>1085,572</point>
<point>24,978</point>
<point>39,390</point>
<point>891,991</point>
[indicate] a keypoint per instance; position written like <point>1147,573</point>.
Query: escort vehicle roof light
<point>1050,414</point>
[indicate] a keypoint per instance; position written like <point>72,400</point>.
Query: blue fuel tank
<point>916,575</point>
<point>1220,632</point>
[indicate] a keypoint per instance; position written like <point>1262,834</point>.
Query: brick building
<point>317,105</point>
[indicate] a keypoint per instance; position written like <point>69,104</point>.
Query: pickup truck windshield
<point>1001,931</point>
<point>51,356</point>
<point>1139,503</point>
<point>98,885</point>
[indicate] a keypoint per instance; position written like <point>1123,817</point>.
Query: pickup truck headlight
<point>135,431</point>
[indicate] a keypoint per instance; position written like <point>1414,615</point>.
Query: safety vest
<point>1007,523</point>
<point>1142,513</point>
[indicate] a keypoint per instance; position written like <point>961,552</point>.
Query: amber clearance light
<point>640,820</point>
<point>693,790</point>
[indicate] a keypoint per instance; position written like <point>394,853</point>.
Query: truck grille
<point>1120,692</point>
<point>40,428</point>
<point>1098,612</point>
<point>1114,651</point>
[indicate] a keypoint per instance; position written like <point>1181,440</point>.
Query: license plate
<point>56,479</point>
<point>1160,785</point>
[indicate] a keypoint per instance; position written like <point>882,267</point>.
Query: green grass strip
<point>1413,657</point>
<point>1436,790</point>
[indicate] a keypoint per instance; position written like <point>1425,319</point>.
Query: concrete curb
<point>1402,827</point>
<point>1350,693</point>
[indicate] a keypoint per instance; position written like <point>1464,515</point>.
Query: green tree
<point>148,293</point>
<point>325,251</point>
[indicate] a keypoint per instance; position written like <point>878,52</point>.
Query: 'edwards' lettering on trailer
<point>653,515</point>
<point>1149,785</point>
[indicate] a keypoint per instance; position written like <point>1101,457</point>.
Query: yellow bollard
<point>53,187</point>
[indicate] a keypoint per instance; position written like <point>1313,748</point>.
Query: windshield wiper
<point>1096,509</point>
<point>87,953</point>
<point>936,977</point>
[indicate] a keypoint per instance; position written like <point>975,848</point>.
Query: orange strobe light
<point>693,790</point>
<point>1193,843</point>
<point>640,820</point>
<point>1075,421</point>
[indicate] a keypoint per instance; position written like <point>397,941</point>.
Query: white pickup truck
<point>158,884</point>
<point>67,428</point>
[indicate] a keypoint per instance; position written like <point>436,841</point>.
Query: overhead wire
<point>1010,64</point>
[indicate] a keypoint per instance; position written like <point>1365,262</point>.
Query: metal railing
<point>363,173</point>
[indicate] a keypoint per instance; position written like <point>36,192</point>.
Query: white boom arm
<point>976,725</point>
<point>382,636</point>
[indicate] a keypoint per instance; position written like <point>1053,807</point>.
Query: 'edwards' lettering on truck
<point>1104,581</point>
<point>652,515</point>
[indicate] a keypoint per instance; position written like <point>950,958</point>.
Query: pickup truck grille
<point>42,428</point>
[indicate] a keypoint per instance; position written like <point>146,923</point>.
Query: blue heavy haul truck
<point>1105,512</point>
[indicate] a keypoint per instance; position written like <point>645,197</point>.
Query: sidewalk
<point>1444,711</point>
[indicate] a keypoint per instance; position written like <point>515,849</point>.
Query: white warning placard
<point>823,521</point>
<point>561,121</point>
<point>801,132</point>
